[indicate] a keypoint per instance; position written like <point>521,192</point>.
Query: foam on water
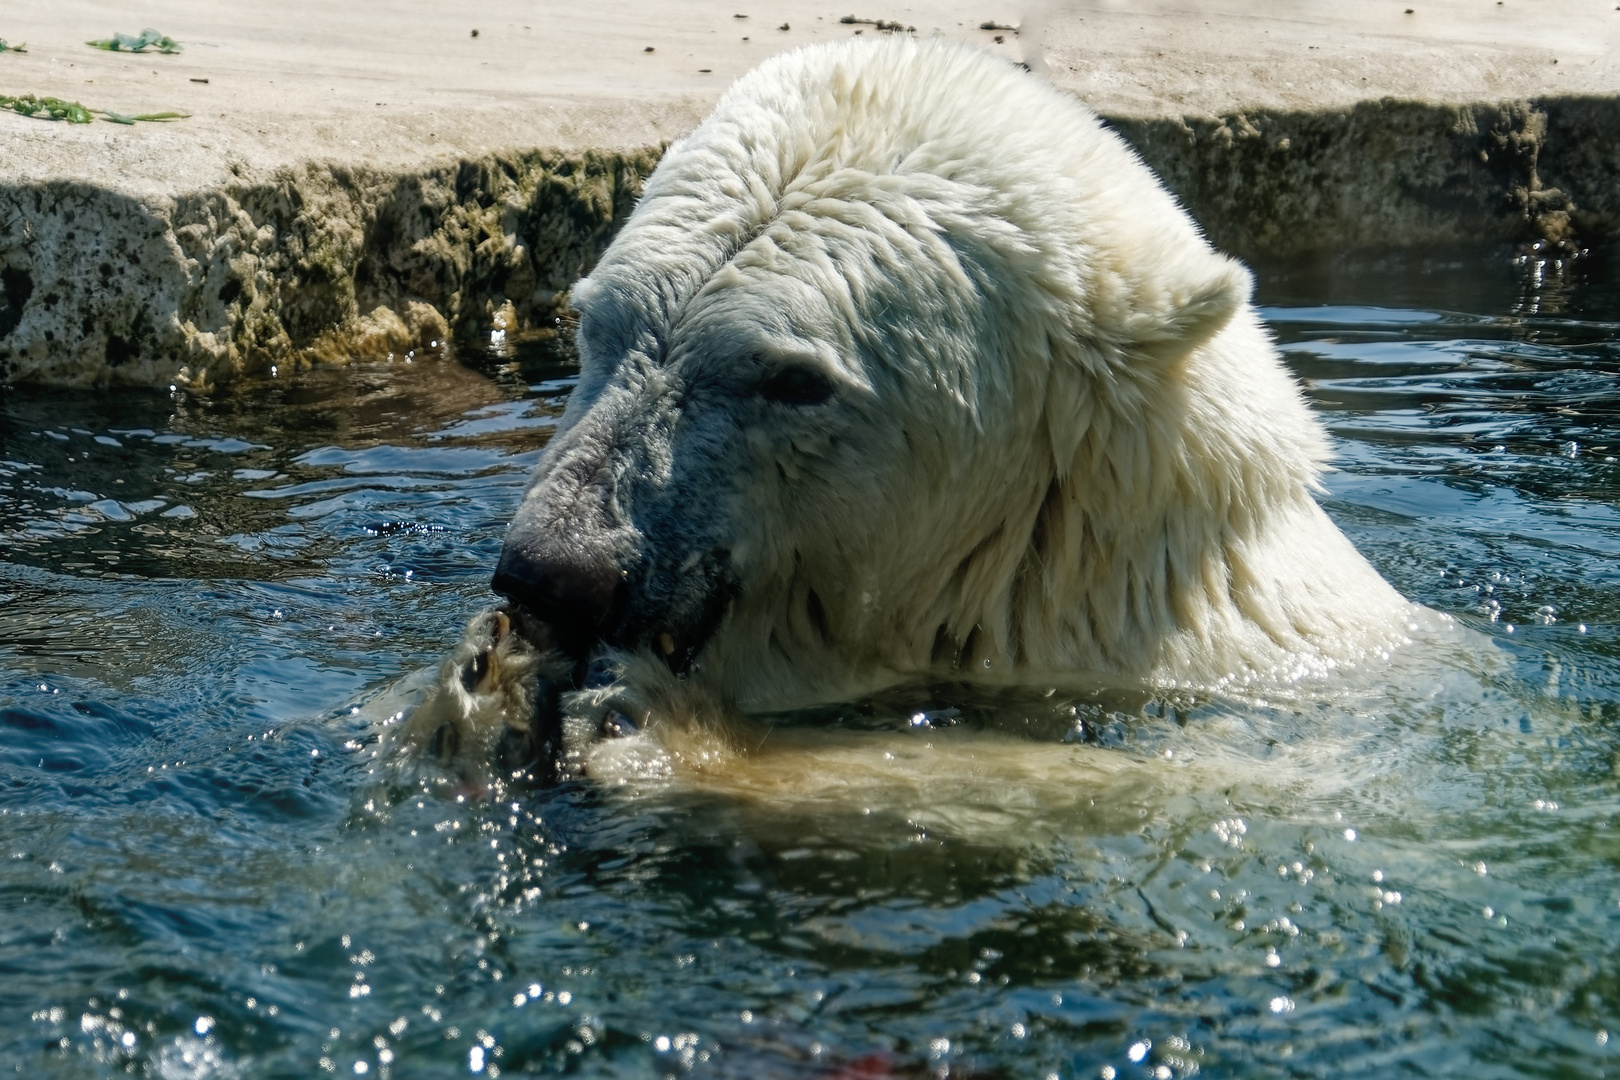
<point>207,609</point>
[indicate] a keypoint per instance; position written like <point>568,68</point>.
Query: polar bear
<point>904,367</point>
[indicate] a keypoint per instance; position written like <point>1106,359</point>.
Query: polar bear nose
<point>573,592</point>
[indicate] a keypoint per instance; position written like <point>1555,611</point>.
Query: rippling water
<point>1417,875</point>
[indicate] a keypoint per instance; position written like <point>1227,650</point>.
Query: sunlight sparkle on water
<point>203,621</point>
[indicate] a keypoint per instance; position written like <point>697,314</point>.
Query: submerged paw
<point>489,713</point>
<point>484,639</point>
<point>444,744</point>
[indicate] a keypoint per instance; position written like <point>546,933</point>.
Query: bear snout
<point>585,601</point>
<point>574,591</point>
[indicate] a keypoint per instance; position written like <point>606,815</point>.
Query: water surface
<point>1418,874</point>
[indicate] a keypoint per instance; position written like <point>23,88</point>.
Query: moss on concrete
<point>320,263</point>
<point>1393,174</point>
<point>325,263</point>
<point>1581,156</point>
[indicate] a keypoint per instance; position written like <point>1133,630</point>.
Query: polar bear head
<point>903,364</point>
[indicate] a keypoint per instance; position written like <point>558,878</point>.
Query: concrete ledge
<point>375,180</point>
<point>317,263</point>
<point>1394,174</point>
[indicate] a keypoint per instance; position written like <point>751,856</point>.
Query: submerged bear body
<point>905,367</point>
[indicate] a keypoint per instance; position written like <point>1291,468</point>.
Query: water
<point>1417,874</point>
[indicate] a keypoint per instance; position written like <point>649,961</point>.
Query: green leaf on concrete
<point>6,46</point>
<point>148,39</point>
<point>50,108</point>
<point>124,118</point>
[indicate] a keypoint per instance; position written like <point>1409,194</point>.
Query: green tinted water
<point>1418,874</point>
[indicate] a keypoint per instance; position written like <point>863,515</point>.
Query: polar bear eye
<point>797,385</point>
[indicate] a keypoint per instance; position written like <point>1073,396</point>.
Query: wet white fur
<point>1076,447</point>
<point>486,686</point>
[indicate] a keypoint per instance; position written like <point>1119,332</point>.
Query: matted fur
<point>490,700</point>
<point>1061,444</point>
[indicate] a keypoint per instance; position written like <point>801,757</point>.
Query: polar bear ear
<point>1176,309</point>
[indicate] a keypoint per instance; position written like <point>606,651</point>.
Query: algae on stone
<point>1380,174</point>
<point>310,265</point>
<point>324,262</point>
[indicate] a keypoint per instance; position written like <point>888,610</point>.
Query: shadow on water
<point>1413,874</point>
